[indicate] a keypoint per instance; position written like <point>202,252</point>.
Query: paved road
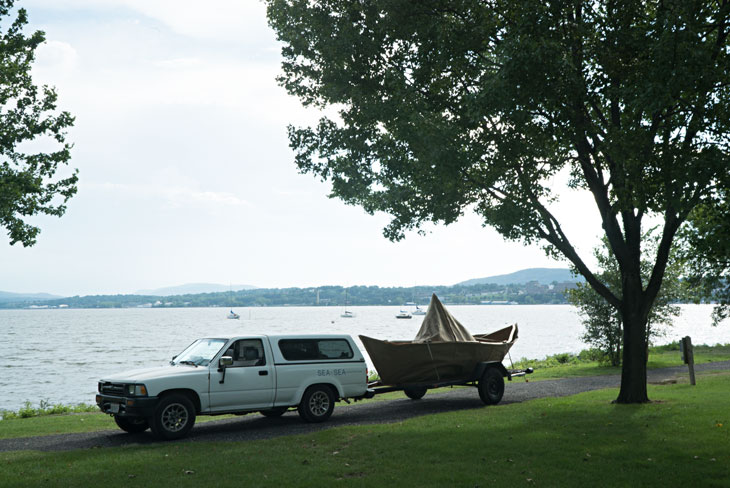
<point>254,427</point>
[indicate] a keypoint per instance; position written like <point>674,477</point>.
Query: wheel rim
<point>319,403</point>
<point>493,387</point>
<point>174,417</point>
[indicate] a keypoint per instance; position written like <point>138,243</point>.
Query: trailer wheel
<point>415,392</point>
<point>491,386</point>
<point>317,403</point>
<point>133,425</point>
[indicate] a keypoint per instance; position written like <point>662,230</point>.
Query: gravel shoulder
<point>254,427</point>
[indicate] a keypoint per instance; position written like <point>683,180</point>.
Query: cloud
<point>220,56</point>
<point>56,57</point>
<point>221,20</point>
<point>213,198</point>
<point>179,63</point>
<point>227,20</point>
<point>173,196</point>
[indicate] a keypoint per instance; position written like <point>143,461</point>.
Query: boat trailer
<point>488,377</point>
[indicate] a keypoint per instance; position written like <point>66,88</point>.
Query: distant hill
<point>544,276</point>
<point>6,296</point>
<point>192,289</point>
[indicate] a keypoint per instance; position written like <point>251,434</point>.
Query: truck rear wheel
<point>491,386</point>
<point>317,403</point>
<point>133,425</point>
<point>415,392</point>
<point>174,417</point>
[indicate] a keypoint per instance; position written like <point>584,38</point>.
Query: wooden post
<point>688,356</point>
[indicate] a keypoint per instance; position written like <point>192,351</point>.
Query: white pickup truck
<point>214,376</point>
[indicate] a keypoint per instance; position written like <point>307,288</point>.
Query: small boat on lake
<point>232,315</point>
<point>419,311</point>
<point>346,314</point>
<point>443,350</point>
<point>403,314</point>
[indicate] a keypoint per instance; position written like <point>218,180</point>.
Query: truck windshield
<point>200,352</point>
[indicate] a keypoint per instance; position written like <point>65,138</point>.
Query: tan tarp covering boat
<point>443,350</point>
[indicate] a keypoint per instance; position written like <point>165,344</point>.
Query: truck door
<point>249,383</point>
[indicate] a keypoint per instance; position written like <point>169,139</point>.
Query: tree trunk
<point>616,340</point>
<point>633,369</point>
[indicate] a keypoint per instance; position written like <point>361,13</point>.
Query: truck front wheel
<point>133,425</point>
<point>174,417</point>
<point>317,403</point>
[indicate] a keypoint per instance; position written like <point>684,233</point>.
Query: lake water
<point>58,355</point>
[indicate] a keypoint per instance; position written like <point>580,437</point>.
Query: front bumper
<point>127,406</point>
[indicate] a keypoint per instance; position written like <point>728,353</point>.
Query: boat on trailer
<point>442,351</point>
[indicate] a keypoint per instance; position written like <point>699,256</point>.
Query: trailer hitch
<point>519,372</point>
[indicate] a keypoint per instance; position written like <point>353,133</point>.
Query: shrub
<point>45,408</point>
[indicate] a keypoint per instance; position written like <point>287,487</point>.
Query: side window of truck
<point>315,349</point>
<point>247,352</point>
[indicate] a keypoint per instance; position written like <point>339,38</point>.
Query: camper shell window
<point>315,349</point>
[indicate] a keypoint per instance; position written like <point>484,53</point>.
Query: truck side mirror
<point>222,363</point>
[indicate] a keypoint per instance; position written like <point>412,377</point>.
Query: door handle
<point>263,372</point>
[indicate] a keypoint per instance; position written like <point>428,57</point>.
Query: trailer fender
<point>482,367</point>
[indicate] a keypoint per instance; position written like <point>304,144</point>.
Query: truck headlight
<point>136,390</point>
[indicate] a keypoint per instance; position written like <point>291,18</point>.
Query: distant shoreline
<point>394,306</point>
<point>480,294</point>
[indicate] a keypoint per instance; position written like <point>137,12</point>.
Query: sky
<point>186,176</point>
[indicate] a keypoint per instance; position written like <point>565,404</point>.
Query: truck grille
<point>108,388</point>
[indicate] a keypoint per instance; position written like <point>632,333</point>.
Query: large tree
<point>447,106</point>
<point>32,135</point>
<point>604,324</point>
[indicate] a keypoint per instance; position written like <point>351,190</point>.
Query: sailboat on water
<point>418,311</point>
<point>232,315</point>
<point>346,314</point>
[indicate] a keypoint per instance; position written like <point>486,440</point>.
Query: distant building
<point>565,285</point>
<point>533,287</point>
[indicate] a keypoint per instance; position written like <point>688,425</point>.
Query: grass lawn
<point>569,365</point>
<point>55,424</point>
<point>681,438</point>
<point>67,424</point>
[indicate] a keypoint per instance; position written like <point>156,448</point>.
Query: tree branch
<point>553,233</point>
